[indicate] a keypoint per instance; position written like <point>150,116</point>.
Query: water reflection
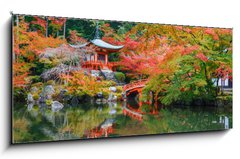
<point>40,122</point>
<point>224,120</point>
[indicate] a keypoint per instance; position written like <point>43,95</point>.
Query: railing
<point>135,84</point>
<point>92,63</point>
<point>95,64</point>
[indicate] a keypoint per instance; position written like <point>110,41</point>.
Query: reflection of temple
<point>100,58</point>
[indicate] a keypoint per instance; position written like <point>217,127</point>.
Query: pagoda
<point>99,60</point>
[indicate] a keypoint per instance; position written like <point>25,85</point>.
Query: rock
<point>48,90</point>
<point>99,95</point>
<point>113,89</point>
<point>33,90</point>
<point>42,99</point>
<point>109,75</point>
<point>30,98</point>
<point>62,93</point>
<point>94,73</point>
<point>56,106</point>
<point>48,97</point>
<point>46,94</point>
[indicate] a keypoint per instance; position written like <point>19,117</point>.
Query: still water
<point>38,123</point>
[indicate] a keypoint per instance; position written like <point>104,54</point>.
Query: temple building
<point>100,58</point>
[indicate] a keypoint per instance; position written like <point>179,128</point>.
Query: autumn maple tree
<point>28,45</point>
<point>181,62</point>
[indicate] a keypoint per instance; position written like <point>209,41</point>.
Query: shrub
<point>120,76</point>
<point>51,82</point>
<point>35,79</point>
<point>35,96</point>
<point>49,102</point>
<point>119,89</point>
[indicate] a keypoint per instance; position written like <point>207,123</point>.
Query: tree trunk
<point>46,27</point>
<point>64,30</point>
<point>217,87</point>
<point>15,57</point>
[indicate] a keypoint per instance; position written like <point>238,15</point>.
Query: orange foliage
<point>159,46</point>
<point>74,38</point>
<point>202,57</point>
<point>78,83</point>
<point>20,73</point>
<point>26,48</point>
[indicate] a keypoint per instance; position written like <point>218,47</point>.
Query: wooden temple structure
<point>99,60</point>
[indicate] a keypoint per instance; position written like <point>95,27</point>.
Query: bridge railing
<point>135,84</point>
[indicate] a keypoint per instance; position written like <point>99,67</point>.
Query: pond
<point>38,123</point>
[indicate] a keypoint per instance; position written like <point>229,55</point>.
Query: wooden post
<point>140,98</point>
<point>95,58</point>
<point>106,59</point>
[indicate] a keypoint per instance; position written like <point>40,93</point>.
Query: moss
<point>35,96</point>
<point>119,89</point>
<point>120,76</point>
<point>38,85</point>
<point>49,102</point>
<point>50,82</point>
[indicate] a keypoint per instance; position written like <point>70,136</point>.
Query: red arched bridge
<point>135,86</point>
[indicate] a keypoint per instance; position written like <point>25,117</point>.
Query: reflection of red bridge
<point>132,113</point>
<point>135,86</point>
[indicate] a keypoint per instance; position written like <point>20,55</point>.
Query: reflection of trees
<point>79,121</point>
<point>170,120</point>
<point>39,123</point>
<point>184,120</point>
